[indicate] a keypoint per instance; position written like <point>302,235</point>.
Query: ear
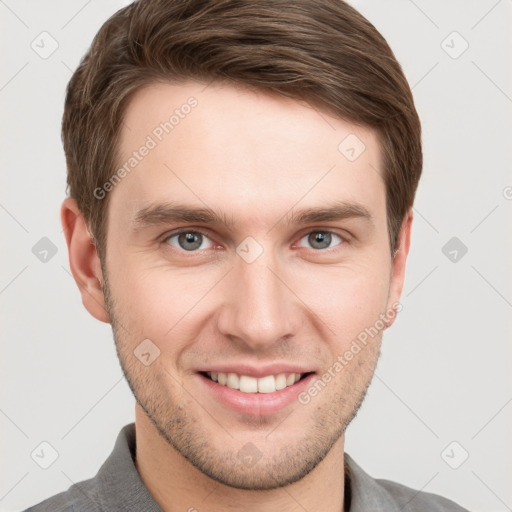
<point>84,260</point>
<point>398,266</point>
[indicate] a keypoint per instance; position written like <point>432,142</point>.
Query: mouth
<point>255,391</point>
<point>252,385</point>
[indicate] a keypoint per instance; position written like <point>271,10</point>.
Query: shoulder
<point>116,486</point>
<point>412,500</point>
<point>57,503</point>
<point>367,493</point>
<point>80,497</point>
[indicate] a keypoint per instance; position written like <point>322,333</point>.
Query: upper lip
<point>257,371</point>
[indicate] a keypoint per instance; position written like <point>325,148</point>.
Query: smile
<point>247,384</point>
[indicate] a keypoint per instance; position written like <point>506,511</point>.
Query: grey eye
<point>321,239</point>
<point>189,240</point>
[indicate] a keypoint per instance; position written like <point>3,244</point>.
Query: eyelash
<point>344,239</point>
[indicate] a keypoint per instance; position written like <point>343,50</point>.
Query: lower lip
<point>256,404</point>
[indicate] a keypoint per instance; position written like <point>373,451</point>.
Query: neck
<point>176,485</point>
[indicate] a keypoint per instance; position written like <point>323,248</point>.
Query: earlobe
<point>84,261</point>
<point>398,266</point>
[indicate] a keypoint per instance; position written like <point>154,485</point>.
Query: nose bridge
<point>259,309</point>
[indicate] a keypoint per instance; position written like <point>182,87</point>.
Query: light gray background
<point>445,370</point>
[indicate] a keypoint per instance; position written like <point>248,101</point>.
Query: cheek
<point>157,302</point>
<point>347,300</point>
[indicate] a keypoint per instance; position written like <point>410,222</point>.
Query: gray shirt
<point>118,487</point>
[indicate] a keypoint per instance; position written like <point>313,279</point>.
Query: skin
<point>257,158</point>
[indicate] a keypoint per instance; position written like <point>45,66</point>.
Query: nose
<point>260,310</point>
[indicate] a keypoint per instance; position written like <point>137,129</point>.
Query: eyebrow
<point>168,213</point>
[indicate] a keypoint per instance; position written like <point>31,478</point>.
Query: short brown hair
<point>323,52</point>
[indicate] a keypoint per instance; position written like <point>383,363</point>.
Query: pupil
<point>321,240</point>
<point>189,241</point>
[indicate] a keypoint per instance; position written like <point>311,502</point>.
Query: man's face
<point>257,294</point>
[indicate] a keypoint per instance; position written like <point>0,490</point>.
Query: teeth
<point>246,384</point>
<point>233,381</point>
<point>267,384</point>
<point>281,381</point>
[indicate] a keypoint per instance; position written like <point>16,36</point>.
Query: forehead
<point>249,153</point>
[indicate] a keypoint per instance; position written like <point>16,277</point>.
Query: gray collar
<point>119,486</point>
<point>364,492</point>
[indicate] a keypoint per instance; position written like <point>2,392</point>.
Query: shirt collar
<point>364,492</point>
<point>119,484</point>
<point>121,488</point>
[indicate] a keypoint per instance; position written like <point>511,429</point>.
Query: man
<point>241,176</point>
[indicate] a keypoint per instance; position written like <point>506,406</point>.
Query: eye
<point>189,240</point>
<point>321,239</point>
